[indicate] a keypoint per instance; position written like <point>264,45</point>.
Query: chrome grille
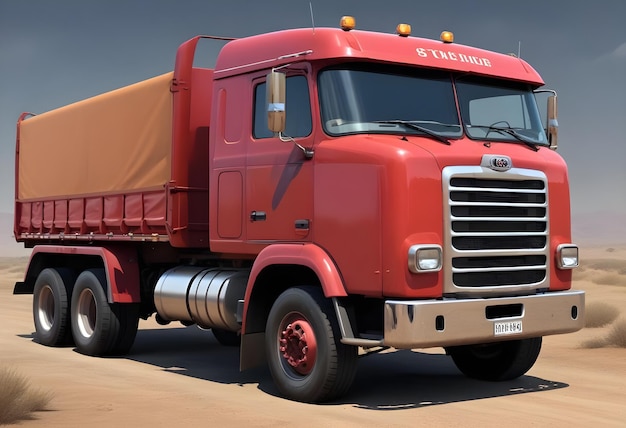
<point>496,230</point>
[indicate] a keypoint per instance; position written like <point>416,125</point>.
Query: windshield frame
<point>451,98</point>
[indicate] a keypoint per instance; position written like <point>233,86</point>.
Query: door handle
<point>258,216</point>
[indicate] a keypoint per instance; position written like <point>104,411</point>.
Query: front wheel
<point>497,361</point>
<point>306,358</point>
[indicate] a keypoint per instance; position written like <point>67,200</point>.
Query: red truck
<point>319,194</point>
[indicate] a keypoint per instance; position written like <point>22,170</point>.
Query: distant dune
<point>8,246</point>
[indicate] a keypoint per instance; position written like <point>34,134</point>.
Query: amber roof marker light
<point>447,36</point>
<point>347,23</point>
<point>403,30</point>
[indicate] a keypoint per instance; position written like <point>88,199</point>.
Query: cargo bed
<point>104,168</point>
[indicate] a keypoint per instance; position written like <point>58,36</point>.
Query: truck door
<point>279,180</point>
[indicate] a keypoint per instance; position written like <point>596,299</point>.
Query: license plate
<point>507,327</point>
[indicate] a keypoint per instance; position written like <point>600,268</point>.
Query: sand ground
<point>176,376</point>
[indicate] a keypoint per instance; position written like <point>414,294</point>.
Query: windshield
<point>502,111</point>
<point>371,99</point>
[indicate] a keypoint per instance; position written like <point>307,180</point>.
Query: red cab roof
<point>277,48</point>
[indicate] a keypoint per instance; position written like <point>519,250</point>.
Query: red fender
<point>120,266</point>
<point>309,255</point>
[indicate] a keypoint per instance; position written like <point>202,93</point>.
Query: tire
<point>128,316</point>
<point>226,337</point>
<point>302,318</point>
<point>100,328</point>
<point>51,308</point>
<point>496,361</point>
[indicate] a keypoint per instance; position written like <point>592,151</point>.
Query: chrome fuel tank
<point>207,297</point>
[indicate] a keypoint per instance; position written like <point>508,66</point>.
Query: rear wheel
<point>306,358</point>
<point>496,361</point>
<point>128,316</point>
<point>100,328</point>
<point>51,309</point>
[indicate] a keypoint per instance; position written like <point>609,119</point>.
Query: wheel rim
<point>45,308</point>
<point>297,345</point>
<point>86,313</point>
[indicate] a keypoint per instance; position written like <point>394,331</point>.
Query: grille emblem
<point>497,163</point>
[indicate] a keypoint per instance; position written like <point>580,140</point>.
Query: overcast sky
<point>56,52</point>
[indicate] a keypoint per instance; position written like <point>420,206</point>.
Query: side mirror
<point>546,98</point>
<point>276,115</point>
<point>553,124</point>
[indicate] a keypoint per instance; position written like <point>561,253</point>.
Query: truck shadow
<point>390,381</point>
<point>408,379</point>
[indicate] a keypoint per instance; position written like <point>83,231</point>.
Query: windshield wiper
<point>508,131</point>
<point>412,125</point>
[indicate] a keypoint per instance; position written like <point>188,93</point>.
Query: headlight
<point>425,258</point>
<point>567,256</point>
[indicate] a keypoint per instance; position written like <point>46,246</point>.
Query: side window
<point>298,108</point>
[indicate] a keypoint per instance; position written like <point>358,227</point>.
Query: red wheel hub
<point>298,345</point>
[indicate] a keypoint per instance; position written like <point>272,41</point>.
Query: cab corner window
<point>497,110</point>
<point>298,108</point>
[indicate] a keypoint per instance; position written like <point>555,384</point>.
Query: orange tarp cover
<point>117,142</point>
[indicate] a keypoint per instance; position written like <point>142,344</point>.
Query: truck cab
<point>421,168</point>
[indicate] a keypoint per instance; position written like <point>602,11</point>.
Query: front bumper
<point>451,322</point>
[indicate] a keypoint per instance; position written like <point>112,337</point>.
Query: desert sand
<point>177,376</point>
